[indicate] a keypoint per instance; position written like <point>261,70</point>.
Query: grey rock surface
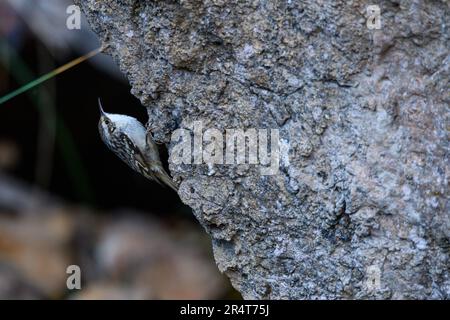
<point>359,207</point>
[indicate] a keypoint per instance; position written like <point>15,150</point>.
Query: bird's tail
<point>166,179</point>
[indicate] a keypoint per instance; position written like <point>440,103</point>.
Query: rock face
<point>359,205</point>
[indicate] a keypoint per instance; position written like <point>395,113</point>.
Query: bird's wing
<point>139,161</point>
<point>151,168</point>
<point>156,166</point>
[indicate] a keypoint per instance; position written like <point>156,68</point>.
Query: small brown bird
<point>131,142</point>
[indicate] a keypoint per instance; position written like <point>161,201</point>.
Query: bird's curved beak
<point>101,107</point>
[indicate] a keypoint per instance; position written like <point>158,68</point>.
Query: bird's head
<point>106,126</point>
<point>113,127</point>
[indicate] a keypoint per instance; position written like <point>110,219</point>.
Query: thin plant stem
<point>20,71</point>
<point>49,75</point>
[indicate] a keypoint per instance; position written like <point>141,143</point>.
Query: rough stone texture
<point>363,117</point>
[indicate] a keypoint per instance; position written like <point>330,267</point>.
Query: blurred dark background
<point>97,178</point>
<point>50,149</point>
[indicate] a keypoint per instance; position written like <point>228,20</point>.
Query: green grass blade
<point>49,75</point>
<point>20,71</point>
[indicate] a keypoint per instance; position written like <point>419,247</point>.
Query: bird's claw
<point>150,130</point>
